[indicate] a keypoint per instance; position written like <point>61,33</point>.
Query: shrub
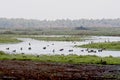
<point>2,53</point>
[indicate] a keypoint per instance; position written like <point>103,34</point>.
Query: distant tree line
<point>25,23</point>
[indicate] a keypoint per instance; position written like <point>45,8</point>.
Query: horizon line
<point>61,19</point>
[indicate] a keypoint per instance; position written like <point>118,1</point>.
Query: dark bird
<point>29,48</point>
<point>61,49</point>
<point>70,50</point>
<point>52,43</point>
<point>100,50</point>
<point>29,44</point>
<point>21,48</point>
<point>14,50</point>
<point>82,50</point>
<point>7,48</point>
<point>53,50</point>
<point>44,47</point>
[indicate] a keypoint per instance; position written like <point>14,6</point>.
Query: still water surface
<point>54,47</point>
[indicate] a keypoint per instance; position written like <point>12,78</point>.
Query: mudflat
<point>32,70</point>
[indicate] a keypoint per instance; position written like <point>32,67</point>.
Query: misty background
<point>60,9</point>
<point>62,16</point>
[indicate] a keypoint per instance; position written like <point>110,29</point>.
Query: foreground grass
<point>106,45</point>
<point>73,59</point>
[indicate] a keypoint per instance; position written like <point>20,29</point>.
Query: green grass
<point>106,45</point>
<point>12,38</point>
<point>99,31</point>
<point>72,59</point>
<point>8,39</point>
<point>59,38</point>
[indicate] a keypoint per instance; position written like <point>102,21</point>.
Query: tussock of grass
<point>106,45</point>
<point>73,59</point>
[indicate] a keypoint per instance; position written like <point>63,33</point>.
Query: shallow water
<point>53,47</point>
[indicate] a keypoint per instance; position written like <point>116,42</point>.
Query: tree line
<point>31,23</point>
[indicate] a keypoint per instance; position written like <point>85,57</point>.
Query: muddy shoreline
<point>30,70</point>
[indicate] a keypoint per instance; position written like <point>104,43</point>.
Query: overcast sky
<point>60,9</point>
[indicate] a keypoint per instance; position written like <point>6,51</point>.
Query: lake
<point>31,46</point>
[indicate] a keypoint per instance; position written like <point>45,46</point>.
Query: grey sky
<point>60,9</point>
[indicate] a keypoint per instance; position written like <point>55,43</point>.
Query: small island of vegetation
<point>105,45</point>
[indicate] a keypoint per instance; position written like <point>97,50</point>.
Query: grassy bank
<point>73,59</point>
<point>12,38</point>
<point>59,38</point>
<point>107,45</point>
<point>8,39</point>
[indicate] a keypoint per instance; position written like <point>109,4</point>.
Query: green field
<point>5,38</point>
<point>8,39</point>
<point>73,59</point>
<point>10,35</point>
<point>106,45</point>
<point>99,31</point>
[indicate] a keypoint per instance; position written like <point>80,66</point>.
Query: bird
<point>44,47</point>
<point>29,43</point>
<point>29,48</point>
<point>71,50</point>
<point>53,50</point>
<point>21,48</point>
<point>82,50</point>
<point>14,50</point>
<point>61,49</point>
<point>7,48</point>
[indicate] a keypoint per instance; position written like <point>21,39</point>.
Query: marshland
<point>75,48</point>
<point>59,40</point>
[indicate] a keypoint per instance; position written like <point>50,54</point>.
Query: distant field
<point>5,38</point>
<point>76,34</point>
<point>104,31</point>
